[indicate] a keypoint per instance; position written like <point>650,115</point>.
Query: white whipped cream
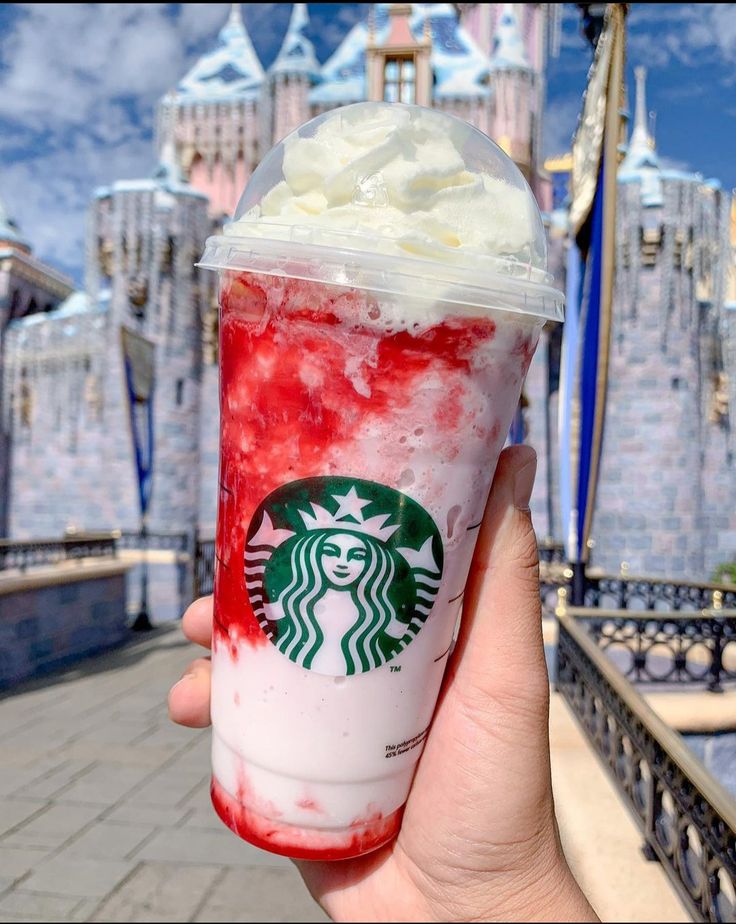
<point>409,178</point>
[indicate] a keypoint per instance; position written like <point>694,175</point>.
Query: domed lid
<point>396,198</point>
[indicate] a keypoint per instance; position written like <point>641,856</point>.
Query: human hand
<point>479,839</point>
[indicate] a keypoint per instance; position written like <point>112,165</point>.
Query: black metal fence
<point>204,567</point>
<point>687,819</point>
<point>668,648</point>
<point>629,592</point>
<point>33,553</point>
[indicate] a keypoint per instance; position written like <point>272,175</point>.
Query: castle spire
<point>234,36</point>
<point>297,54</point>
<point>640,135</point>
<point>641,152</point>
<point>235,20</point>
<point>508,47</point>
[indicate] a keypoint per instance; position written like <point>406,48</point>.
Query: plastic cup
<point>368,383</point>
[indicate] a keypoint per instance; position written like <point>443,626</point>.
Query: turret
<point>666,480</point>
<point>213,118</point>
<point>291,76</point>
<point>513,82</point>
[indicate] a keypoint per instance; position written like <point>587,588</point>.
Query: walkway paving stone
<point>104,804</point>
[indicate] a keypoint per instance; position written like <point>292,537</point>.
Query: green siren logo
<point>341,573</point>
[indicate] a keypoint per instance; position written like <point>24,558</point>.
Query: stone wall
<point>73,462</point>
<point>209,451</point>
<point>63,473</point>
<point>53,617</point>
<point>665,490</point>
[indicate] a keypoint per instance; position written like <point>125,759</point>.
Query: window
<point>399,79</point>
<point>179,392</point>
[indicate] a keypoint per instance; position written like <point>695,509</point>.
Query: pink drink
<point>360,432</point>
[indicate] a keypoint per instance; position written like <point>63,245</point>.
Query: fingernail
<point>523,484</point>
<point>187,675</point>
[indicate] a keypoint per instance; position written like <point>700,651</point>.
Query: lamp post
<point>142,620</point>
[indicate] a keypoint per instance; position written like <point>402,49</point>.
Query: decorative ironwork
<point>667,648</point>
<point>34,553</point>
<point>687,819</point>
<point>625,592</point>
<point>204,567</point>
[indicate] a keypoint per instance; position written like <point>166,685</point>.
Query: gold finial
<point>624,567</point>
<point>717,600</point>
<point>561,607</point>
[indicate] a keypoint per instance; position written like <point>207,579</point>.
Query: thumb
<point>500,651</point>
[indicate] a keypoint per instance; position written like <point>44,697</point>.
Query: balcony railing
<point>33,553</point>
<point>687,819</point>
<point>675,647</point>
<point>630,592</point>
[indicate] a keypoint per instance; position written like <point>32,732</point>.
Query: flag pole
<point>593,231</point>
<point>610,171</point>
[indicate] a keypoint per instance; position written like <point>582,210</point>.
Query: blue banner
<point>567,398</point>
<point>138,360</point>
<point>591,425</point>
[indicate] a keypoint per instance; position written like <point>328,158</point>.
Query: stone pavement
<point>105,813</point>
<point>104,805</point>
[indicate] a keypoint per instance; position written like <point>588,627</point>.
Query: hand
<point>479,839</point>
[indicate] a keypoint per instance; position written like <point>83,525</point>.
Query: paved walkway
<point>104,805</point>
<point>105,814</point>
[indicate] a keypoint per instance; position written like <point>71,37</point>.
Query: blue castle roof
<point>297,54</point>
<point>232,69</point>
<point>508,47</point>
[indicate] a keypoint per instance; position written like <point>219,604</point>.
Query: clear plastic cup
<point>369,375</point>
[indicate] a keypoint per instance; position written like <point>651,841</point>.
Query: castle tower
<point>512,79</point>
<point>27,287</point>
<point>665,494</point>
<point>213,118</point>
<point>291,76</point>
<point>73,460</point>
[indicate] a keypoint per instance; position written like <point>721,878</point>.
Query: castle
<point>667,488</point>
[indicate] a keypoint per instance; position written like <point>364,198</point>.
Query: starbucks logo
<point>341,573</point>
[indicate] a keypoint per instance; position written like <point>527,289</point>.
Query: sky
<point>79,84</point>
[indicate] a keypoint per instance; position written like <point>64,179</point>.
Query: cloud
<point>79,84</point>
<point>687,33</point>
